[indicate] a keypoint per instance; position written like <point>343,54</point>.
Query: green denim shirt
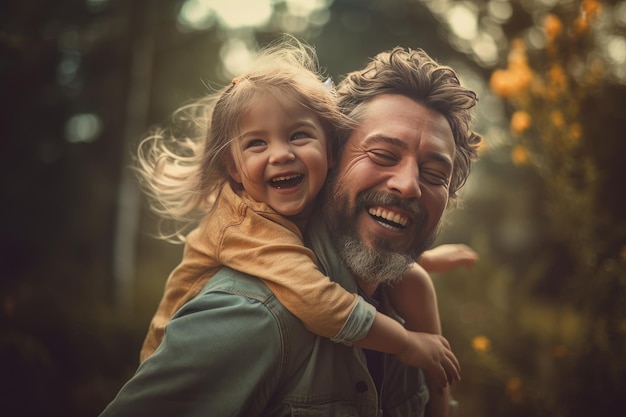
<point>234,350</point>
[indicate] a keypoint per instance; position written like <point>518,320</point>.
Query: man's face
<point>390,188</point>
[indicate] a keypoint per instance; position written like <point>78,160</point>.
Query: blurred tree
<point>549,339</point>
<point>63,73</point>
<point>543,310</point>
<point>82,80</point>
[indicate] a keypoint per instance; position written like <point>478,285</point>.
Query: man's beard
<point>370,265</point>
<point>384,262</point>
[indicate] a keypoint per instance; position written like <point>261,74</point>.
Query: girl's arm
<point>428,351</point>
<point>275,253</point>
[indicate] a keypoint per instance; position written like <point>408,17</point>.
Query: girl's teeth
<point>288,177</point>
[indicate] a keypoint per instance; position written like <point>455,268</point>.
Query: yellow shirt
<point>251,237</point>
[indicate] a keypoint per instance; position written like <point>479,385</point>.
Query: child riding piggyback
<point>249,179</point>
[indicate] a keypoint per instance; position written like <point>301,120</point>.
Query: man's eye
<point>382,157</point>
<point>435,178</point>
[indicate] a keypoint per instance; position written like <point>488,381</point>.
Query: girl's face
<point>281,156</point>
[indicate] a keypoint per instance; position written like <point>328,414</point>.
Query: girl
<point>267,147</point>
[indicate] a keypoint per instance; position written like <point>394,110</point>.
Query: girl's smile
<point>280,157</point>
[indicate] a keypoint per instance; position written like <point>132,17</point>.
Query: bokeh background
<point>539,323</point>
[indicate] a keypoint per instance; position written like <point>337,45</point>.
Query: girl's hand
<point>432,354</point>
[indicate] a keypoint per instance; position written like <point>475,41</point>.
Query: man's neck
<point>301,219</point>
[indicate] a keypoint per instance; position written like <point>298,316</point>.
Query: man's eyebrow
<point>387,139</point>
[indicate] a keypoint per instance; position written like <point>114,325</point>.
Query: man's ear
<point>330,155</point>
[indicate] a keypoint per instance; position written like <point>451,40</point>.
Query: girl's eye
<point>300,135</point>
<point>254,143</point>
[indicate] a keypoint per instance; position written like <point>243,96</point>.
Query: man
<point>410,153</point>
<point>235,351</point>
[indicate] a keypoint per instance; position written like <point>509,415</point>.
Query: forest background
<point>539,324</point>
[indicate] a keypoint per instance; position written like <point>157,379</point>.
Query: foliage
<point>553,341</point>
<point>539,331</point>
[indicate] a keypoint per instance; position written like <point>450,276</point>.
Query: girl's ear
<point>233,172</point>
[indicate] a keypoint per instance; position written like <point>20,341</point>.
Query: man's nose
<point>281,153</point>
<point>404,180</point>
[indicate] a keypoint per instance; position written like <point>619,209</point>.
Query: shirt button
<point>361,387</point>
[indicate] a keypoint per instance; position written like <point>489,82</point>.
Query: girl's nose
<point>281,153</point>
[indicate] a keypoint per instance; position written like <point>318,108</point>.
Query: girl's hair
<point>182,169</point>
<point>416,75</point>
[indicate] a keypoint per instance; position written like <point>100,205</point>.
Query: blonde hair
<point>182,169</point>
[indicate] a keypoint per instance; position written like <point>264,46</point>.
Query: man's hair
<point>416,75</point>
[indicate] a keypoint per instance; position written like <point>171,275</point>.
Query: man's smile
<point>388,216</point>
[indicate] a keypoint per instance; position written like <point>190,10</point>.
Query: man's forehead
<point>391,115</point>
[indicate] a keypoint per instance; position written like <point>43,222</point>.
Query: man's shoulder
<point>230,281</point>
<point>228,285</point>
<point>244,301</point>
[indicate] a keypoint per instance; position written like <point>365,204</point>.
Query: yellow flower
<point>590,8</point>
<point>520,121</point>
<point>581,24</point>
<point>481,343</point>
<point>573,138</point>
<point>501,83</point>
<point>552,26</point>
<point>557,76</point>
<point>559,351</point>
<point>516,77</point>
<point>514,389</point>
<point>517,56</point>
<point>510,82</point>
<point>557,119</point>
<point>519,155</point>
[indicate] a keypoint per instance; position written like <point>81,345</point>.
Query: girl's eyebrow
<point>296,124</point>
<point>303,122</point>
<point>251,133</point>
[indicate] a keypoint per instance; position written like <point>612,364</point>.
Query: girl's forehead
<point>277,100</point>
<point>284,97</point>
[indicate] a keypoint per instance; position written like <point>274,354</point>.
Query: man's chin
<point>372,265</point>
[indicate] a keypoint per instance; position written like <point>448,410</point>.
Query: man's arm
<point>446,257</point>
<point>221,355</point>
<point>415,299</point>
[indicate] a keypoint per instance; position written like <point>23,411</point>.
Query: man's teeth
<point>285,178</point>
<point>389,215</point>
